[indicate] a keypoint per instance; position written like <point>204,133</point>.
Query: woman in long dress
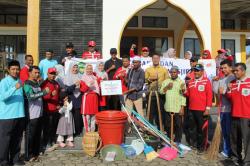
<point>89,87</point>
<point>72,86</point>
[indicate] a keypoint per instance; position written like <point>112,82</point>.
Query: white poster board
<point>112,87</point>
<point>209,67</point>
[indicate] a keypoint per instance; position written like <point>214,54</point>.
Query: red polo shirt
<point>200,94</point>
<point>50,102</point>
<point>240,97</point>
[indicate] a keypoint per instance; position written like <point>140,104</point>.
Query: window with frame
<point>154,22</point>
<point>228,24</point>
<point>155,44</point>
<point>193,45</point>
<point>228,44</point>
<point>20,19</point>
<point>133,22</point>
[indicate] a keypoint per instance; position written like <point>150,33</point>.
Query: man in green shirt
<point>173,88</point>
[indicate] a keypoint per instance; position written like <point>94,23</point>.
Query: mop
<point>148,150</point>
<point>155,130</point>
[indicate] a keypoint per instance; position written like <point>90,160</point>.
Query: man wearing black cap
<point>70,52</point>
<point>200,95</point>
<point>110,67</point>
<point>188,129</point>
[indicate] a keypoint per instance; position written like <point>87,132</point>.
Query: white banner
<point>184,65</point>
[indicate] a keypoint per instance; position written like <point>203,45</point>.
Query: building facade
<point>32,26</point>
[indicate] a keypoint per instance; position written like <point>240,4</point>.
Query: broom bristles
<point>151,155</point>
<point>213,150</point>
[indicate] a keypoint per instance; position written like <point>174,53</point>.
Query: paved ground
<point>77,158</point>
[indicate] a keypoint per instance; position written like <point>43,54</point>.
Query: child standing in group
<point>89,87</point>
<point>66,123</point>
<point>101,76</point>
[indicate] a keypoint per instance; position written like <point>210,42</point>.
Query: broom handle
<point>133,123</point>
<point>156,131</point>
<point>172,127</point>
<point>149,105</point>
<point>159,110</point>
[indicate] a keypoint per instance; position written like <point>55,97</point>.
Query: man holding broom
<point>239,93</point>
<point>175,103</point>
<point>225,105</point>
<point>199,92</point>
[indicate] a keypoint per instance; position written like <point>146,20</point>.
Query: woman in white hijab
<point>188,55</point>
<point>171,53</point>
<point>72,86</point>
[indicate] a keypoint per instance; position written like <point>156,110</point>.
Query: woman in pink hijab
<point>89,87</point>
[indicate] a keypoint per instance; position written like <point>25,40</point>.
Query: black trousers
<point>189,128</point>
<point>11,132</point>
<point>154,116</point>
<point>240,131</point>
<point>33,137</point>
<point>198,120</point>
<point>177,126</point>
<point>50,122</point>
<point>78,121</point>
<point>113,102</point>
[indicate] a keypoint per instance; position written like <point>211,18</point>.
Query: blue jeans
<point>226,130</point>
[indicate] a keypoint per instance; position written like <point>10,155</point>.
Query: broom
<point>155,130</point>
<point>213,150</point>
<point>148,150</point>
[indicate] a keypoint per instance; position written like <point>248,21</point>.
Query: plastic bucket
<point>111,126</point>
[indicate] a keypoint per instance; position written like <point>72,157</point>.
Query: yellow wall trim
<point>33,29</point>
<point>243,48</point>
<point>180,37</point>
<point>215,26</point>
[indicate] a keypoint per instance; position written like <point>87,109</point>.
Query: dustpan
<point>138,146</point>
<point>168,153</point>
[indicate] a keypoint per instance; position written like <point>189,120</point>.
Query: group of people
<point>51,108</point>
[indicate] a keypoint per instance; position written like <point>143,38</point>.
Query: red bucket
<point>111,125</point>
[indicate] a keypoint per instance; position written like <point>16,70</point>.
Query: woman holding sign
<point>89,87</point>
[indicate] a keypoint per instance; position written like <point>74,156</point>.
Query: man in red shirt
<point>144,51</point>
<point>24,73</point>
<point>199,92</point>
<point>92,53</point>
<point>50,106</point>
<point>239,93</point>
<point>121,74</point>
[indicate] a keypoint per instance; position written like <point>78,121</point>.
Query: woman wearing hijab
<point>171,53</point>
<point>89,87</point>
<point>206,55</point>
<point>60,75</point>
<point>72,85</point>
<point>188,55</point>
<point>101,76</point>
